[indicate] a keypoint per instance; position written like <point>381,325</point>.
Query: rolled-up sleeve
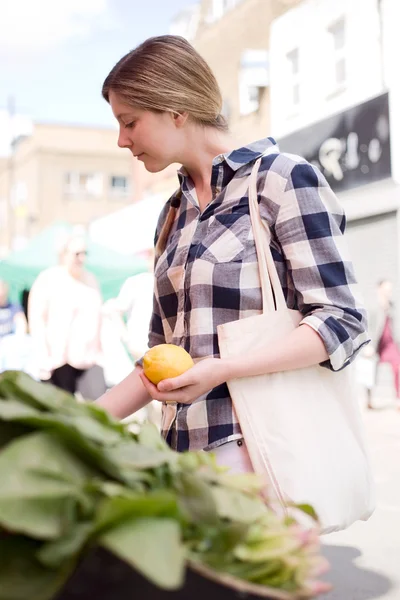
<point>309,227</point>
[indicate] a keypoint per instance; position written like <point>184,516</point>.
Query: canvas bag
<point>303,428</point>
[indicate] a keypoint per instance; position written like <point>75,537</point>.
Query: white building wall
<point>372,62</point>
<point>306,28</point>
<point>391,73</point>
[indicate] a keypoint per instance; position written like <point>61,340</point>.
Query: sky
<point>55,54</point>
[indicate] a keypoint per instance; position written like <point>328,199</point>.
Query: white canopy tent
<point>131,229</point>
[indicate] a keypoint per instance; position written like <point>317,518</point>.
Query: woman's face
<point>75,255</point>
<point>154,138</point>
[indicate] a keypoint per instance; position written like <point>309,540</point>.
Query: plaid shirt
<point>208,274</point>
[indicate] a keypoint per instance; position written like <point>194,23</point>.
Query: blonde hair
<point>65,240</point>
<point>166,74</point>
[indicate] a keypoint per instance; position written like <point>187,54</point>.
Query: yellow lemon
<point>165,361</point>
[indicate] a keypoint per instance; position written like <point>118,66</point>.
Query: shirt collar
<point>242,156</point>
<point>247,154</point>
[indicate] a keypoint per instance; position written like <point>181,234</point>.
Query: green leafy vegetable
<point>72,477</point>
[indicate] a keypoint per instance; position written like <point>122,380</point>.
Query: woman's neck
<point>203,144</point>
<point>75,274</point>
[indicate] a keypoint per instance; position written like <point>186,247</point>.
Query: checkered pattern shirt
<point>208,274</point>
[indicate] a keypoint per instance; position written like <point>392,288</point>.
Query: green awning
<point>111,268</point>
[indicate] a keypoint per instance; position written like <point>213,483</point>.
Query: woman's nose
<point>123,140</point>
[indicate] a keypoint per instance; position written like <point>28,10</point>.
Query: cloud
<point>38,24</point>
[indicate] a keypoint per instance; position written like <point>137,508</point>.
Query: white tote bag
<point>303,428</point>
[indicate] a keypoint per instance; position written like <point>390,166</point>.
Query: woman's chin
<point>153,166</point>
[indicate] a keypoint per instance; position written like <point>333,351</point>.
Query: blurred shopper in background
<point>64,314</point>
<point>134,307</point>
<point>384,347</point>
<point>16,348</point>
<point>131,314</point>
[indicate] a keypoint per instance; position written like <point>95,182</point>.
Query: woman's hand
<point>203,377</point>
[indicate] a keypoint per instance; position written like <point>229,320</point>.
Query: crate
<point>101,575</point>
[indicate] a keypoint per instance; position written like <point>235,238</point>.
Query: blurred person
<point>206,270</point>
<point>16,351</point>
<point>64,315</point>
<point>135,304</point>
<point>384,347</point>
<point>12,317</point>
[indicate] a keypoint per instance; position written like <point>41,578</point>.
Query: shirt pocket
<point>227,238</point>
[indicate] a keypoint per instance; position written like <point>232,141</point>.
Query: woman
<point>167,104</point>
<point>64,313</point>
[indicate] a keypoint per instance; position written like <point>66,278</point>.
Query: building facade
<point>335,100</point>
<point>233,37</point>
<point>62,172</point>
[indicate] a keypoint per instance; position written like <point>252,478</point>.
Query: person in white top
<point>135,302</point>
<point>64,315</point>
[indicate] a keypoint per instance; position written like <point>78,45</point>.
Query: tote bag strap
<point>272,293</point>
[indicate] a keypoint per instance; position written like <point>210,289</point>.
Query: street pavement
<point>365,559</point>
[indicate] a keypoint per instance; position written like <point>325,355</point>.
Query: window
<point>119,185</point>
<point>253,79</point>
<point>83,184</point>
<point>218,8</point>
<point>337,33</point>
<point>294,74</point>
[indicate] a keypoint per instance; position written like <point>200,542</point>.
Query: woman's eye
<point>130,125</point>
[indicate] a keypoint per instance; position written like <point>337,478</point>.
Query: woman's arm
<point>125,398</point>
<point>301,348</point>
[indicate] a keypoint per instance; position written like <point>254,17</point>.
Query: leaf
<point>14,410</point>
<point>37,395</point>
<point>245,482</point>
<point>196,499</point>
<point>130,454</point>
<point>42,484</point>
<point>22,577</point>
<point>237,506</point>
<point>39,518</point>
<point>150,437</point>
<point>99,414</point>
<point>42,452</point>
<point>76,433</point>
<point>254,571</point>
<point>11,431</point>
<point>152,546</point>
<point>48,399</point>
<point>154,504</point>
<point>53,554</point>
<point>215,545</point>
<point>273,547</point>
<point>306,509</point>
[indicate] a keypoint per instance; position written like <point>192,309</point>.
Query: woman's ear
<point>180,118</point>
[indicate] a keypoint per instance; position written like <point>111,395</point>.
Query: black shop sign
<point>351,148</point>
